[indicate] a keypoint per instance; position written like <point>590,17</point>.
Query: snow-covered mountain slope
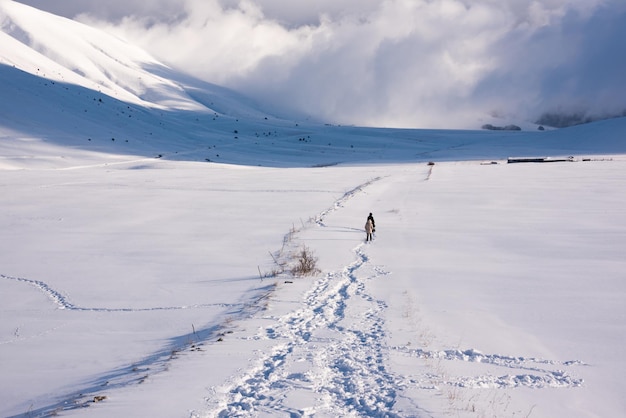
<point>61,78</point>
<point>139,278</point>
<point>66,51</point>
<point>71,92</point>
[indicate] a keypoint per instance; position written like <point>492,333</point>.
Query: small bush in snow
<point>306,263</point>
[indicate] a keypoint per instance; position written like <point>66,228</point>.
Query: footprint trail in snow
<point>329,356</point>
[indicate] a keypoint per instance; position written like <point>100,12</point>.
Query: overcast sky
<point>403,63</point>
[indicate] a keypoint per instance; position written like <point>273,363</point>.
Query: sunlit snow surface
<point>146,248</point>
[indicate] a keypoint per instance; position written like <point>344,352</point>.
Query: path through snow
<point>331,351</point>
<point>331,357</point>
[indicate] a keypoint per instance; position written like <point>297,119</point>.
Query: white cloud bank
<point>403,63</point>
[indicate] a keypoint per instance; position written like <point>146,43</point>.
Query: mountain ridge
<point>77,90</point>
<point>65,50</point>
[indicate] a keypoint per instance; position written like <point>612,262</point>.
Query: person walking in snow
<point>371,217</point>
<point>370,227</point>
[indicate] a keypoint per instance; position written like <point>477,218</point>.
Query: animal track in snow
<point>63,302</point>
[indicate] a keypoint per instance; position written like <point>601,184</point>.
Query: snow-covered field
<point>148,232</point>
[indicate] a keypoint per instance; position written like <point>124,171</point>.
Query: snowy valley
<point>151,223</point>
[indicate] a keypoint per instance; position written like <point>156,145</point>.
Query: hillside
<point>83,90</point>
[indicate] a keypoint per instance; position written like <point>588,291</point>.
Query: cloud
<point>411,63</point>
